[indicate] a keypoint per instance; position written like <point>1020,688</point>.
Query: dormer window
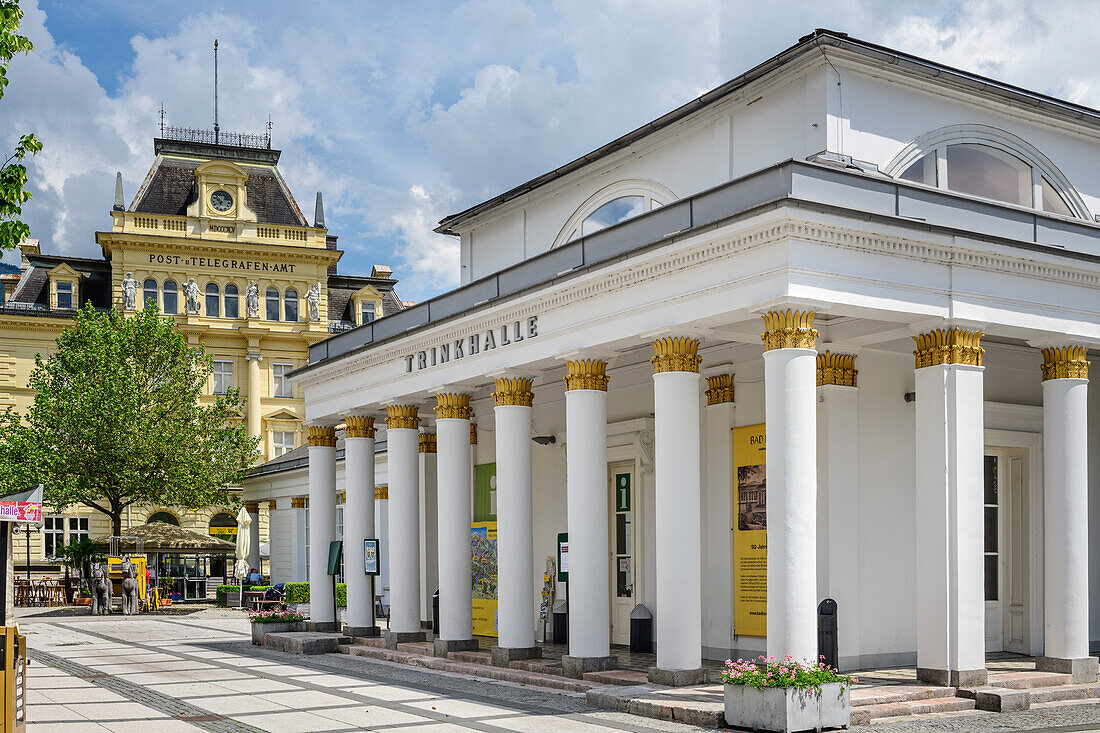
<point>983,161</point>
<point>64,296</point>
<point>366,313</point>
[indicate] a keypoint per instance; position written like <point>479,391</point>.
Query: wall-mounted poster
<point>750,533</point>
<point>483,576</point>
<point>485,492</point>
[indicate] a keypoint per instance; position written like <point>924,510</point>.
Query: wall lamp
<point>910,396</point>
<point>545,439</point>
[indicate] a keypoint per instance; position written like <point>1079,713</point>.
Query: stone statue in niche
<point>191,292</point>
<point>130,599</point>
<point>252,300</point>
<point>101,591</point>
<point>129,292</point>
<point>313,296</point>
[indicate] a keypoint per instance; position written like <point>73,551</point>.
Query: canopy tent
<point>168,538</point>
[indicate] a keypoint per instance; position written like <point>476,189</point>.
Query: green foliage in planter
<point>264,588</point>
<point>766,672</point>
<point>222,590</point>
<point>299,593</point>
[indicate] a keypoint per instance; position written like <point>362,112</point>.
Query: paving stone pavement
<point>202,673</point>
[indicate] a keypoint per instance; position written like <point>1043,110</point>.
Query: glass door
<point>622,550</point>
<point>994,610</point>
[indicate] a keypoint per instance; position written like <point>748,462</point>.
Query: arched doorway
<point>224,527</point>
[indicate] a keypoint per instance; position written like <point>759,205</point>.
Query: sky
<point>402,113</point>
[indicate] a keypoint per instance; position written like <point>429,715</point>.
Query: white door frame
<point>1028,420</point>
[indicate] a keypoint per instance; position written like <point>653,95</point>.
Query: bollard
<point>641,630</point>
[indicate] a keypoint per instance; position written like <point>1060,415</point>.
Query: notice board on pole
<point>750,532</point>
<point>483,567</point>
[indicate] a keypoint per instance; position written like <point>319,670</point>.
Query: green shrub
<point>299,593</point>
<point>264,588</point>
<point>222,590</point>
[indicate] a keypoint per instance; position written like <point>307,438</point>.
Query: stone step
<point>1060,693</point>
<point>1028,680</point>
<point>542,666</point>
<point>617,677</point>
<point>305,642</point>
<point>897,693</point>
<point>417,647</point>
<point>1064,703</point>
<point>865,714</point>
<point>375,641</point>
<point>471,657</point>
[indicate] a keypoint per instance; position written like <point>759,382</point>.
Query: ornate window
<point>279,373</point>
<point>983,161</point>
<point>366,312</point>
<point>232,309</point>
<point>223,376</point>
<point>171,301</point>
<point>290,305</point>
<point>272,304</point>
<point>614,204</point>
<point>64,296</point>
<point>282,441</point>
<point>213,300</point>
<point>149,292</point>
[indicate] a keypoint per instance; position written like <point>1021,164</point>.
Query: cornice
<point>236,248</point>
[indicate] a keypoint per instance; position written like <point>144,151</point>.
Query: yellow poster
<point>750,533</point>
<point>483,576</point>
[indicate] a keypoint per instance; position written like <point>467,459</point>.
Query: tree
<point>13,174</point>
<point>119,418</point>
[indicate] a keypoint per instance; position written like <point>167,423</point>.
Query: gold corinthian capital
<point>949,346</point>
<point>789,329</point>
<point>1065,362</point>
<point>358,426</point>
<point>381,492</point>
<point>427,443</point>
<point>452,405</point>
<point>399,417</point>
<point>839,369</point>
<point>586,374</point>
<point>514,391</point>
<point>675,354</point>
<point>322,435</point>
<point>719,389</point>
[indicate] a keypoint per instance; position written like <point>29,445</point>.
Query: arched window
<point>984,161</point>
<point>611,213</point>
<point>272,304</point>
<point>171,302</point>
<point>290,305</point>
<point>213,300</point>
<point>149,292</point>
<point>612,205</point>
<point>164,517</point>
<point>231,302</point>
<point>224,527</point>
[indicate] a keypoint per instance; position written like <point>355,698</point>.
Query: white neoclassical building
<point>827,324</point>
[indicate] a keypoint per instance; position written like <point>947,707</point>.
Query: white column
<point>358,519</point>
<point>274,542</point>
<point>839,497</point>
<point>429,511</point>
<point>790,409</point>
<point>404,548</point>
<point>255,428</point>
<point>949,508</point>
<point>718,423</point>
<point>1065,514</point>
<point>253,509</point>
<point>297,571</point>
<point>677,436</point>
<point>587,518</point>
<point>515,556</point>
<point>452,428</point>
<point>322,520</point>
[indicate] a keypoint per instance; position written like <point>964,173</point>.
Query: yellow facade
<point>221,243</point>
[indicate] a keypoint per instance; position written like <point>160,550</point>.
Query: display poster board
<point>335,556</point>
<point>563,557</point>
<point>483,577</point>
<point>485,492</point>
<point>372,558</point>
<point>750,533</point>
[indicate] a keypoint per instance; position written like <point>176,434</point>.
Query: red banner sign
<point>20,511</point>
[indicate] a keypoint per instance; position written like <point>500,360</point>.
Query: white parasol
<point>243,525</point>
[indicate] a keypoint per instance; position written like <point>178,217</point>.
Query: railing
<point>340,326</point>
<point>216,137</point>
<point>794,183</point>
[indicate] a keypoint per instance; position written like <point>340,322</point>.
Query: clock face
<point>221,201</point>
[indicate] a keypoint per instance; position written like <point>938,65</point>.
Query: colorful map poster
<point>750,533</point>
<point>483,550</point>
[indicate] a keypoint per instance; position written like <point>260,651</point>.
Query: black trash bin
<point>827,641</point>
<point>435,612</point>
<point>561,622</point>
<point>641,630</point>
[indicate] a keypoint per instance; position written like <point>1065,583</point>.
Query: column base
<point>677,677</point>
<point>502,656</point>
<point>393,638</point>
<point>426,625</point>
<point>369,631</point>
<point>443,647</point>
<point>575,667</point>
<point>1083,669</point>
<point>326,627</point>
<point>953,677</point>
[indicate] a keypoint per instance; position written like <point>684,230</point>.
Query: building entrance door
<point>621,487</point>
<point>1006,539</point>
<point>994,610</point>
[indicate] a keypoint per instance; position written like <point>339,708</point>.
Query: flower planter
<point>787,709</point>
<point>258,630</point>
<point>82,601</point>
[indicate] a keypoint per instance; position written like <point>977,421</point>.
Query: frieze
<point>475,343</point>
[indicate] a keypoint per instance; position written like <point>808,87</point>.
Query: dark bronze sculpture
<point>101,590</point>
